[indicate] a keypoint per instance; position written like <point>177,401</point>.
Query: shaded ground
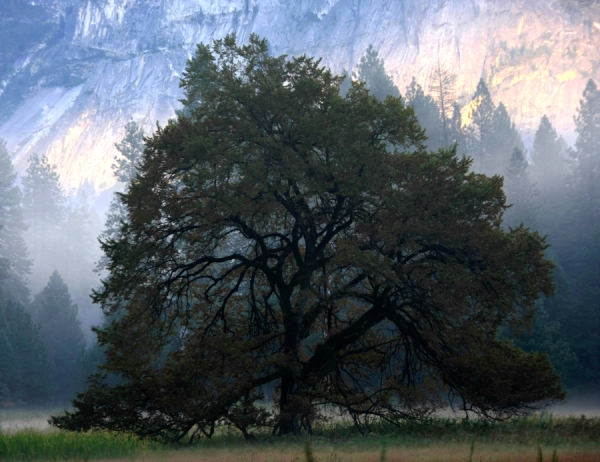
<point>447,453</point>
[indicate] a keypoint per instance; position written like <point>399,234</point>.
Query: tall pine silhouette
<point>12,228</point>
<point>61,331</point>
<point>371,70</point>
<point>45,212</point>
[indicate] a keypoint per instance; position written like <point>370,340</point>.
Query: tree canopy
<point>284,239</point>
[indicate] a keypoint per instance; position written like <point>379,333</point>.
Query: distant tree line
<point>45,241</point>
<point>553,189</point>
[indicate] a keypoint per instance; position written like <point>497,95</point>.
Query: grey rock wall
<point>69,94</point>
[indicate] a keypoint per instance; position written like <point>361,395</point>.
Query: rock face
<point>77,70</point>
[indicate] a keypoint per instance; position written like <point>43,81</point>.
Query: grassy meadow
<point>539,438</point>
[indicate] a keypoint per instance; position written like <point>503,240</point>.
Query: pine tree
<point>520,192</point>
<point>546,336</point>
<point>504,138</point>
<point>25,370</point>
<point>12,228</point>
<point>582,220</point>
<point>10,375</point>
<point>456,131</point>
<point>78,244</point>
<point>481,128</point>
<point>587,172</point>
<point>34,366</point>
<point>427,113</point>
<point>131,149</point>
<point>371,70</point>
<point>61,331</point>
<point>442,88</point>
<point>549,170</point>
<point>547,156</point>
<point>45,212</point>
<point>584,325</point>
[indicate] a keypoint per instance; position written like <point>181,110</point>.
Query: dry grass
<point>445,453</point>
<point>574,438</point>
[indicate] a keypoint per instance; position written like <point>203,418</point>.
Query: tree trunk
<point>289,423</point>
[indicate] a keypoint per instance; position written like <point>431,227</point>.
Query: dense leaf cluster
<point>282,238</point>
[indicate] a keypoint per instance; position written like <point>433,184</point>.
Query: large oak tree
<point>284,238</point>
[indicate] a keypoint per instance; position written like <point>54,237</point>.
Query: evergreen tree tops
<point>547,155</point>
<point>427,113</point>
<point>44,198</point>
<point>45,206</point>
<point>130,148</point>
<point>371,70</point>
<point>587,151</point>
<point>491,136</point>
<point>587,125</point>
<point>520,192</point>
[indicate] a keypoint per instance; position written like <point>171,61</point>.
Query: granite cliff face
<point>77,70</point>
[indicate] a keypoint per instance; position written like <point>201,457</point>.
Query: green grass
<point>34,445</point>
<point>427,440</point>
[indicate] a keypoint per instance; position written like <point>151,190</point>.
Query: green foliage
<point>126,165</point>
<point>308,452</point>
<point>480,130</point>
<point>371,70</point>
<point>587,125</point>
<point>548,161</point>
<point>45,210</point>
<point>579,245</point>
<point>12,227</point>
<point>427,113</point>
<point>491,137</point>
<point>31,445</point>
<point>44,198</point>
<point>59,233</point>
<point>520,193</point>
<point>456,132</point>
<point>86,365</point>
<point>279,233</point>
<point>442,87</point>
<point>61,330</point>
<point>503,142</point>
<point>130,148</point>
<point>9,366</point>
<point>26,373</point>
